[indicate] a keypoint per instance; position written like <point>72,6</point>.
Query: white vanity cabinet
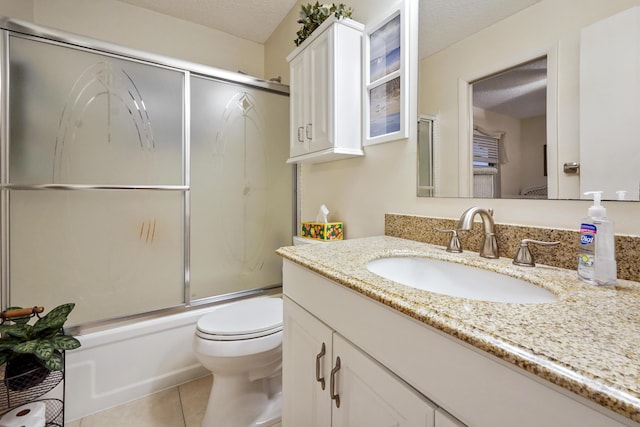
<point>328,382</point>
<point>388,359</point>
<point>325,93</point>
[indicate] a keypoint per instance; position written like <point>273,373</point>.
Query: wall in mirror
<point>509,138</point>
<point>478,87</point>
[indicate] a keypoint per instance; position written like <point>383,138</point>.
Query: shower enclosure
<point>132,183</point>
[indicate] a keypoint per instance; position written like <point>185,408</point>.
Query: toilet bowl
<point>241,344</point>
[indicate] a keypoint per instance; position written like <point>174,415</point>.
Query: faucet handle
<point>524,257</point>
<point>454,242</point>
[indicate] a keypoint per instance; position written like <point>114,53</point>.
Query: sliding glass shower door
<point>240,191</point>
<point>132,186</point>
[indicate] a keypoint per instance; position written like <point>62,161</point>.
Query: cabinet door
<point>444,419</point>
<point>318,130</point>
<point>372,396</point>
<point>300,105</point>
<point>305,401</point>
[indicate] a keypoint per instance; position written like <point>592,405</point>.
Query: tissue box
<point>322,231</point>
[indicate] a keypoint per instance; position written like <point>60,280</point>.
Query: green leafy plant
<point>44,340</point>
<point>311,16</point>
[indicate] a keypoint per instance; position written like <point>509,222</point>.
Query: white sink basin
<point>458,280</point>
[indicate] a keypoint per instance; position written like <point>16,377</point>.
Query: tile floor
<point>181,406</point>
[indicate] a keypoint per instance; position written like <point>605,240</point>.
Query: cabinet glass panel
<point>241,187</point>
<point>78,117</point>
<point>114,253</point>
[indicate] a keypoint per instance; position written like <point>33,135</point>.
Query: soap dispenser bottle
<point>596,250</point>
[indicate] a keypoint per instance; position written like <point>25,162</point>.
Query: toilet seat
<point>242,320</point>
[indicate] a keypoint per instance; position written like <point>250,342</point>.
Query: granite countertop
<point>588,341</point>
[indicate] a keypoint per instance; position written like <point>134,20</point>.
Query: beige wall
<point>117,22</point>
<point>19,9</point>
<point>360,191</point>
<point>534,138</point>
<point>357,191</point>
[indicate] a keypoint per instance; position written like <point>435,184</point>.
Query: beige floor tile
<point>75,423</point>
<point>194,396</point>
<point>161,409</point>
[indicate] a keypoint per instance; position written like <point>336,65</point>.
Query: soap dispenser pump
<point>596,250</point>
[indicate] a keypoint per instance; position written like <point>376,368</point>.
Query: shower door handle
<point>300,131</point>
<point>332,383</point>
<point>319,356</point>
<point>308,130</point>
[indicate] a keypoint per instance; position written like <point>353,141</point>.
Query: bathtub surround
<point>125,363</point>
<point>424,229</point>
<point>156,351</point>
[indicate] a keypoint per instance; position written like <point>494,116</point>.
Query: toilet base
<point>272,413</point>
<point>237,402</point>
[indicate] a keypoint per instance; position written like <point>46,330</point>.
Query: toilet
<point>241,344</point>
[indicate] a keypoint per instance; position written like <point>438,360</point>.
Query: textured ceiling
<point>252,20</point>
<point>442,22</point>
<point>445,22</point>
<point>520,92</point>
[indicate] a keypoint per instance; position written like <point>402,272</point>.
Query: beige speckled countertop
<point>587,342</point>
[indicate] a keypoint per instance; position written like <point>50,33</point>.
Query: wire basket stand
<point>33,385</point>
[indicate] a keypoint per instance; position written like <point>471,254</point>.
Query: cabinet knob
<point>319,356</point>
<point>300,132</point>
<point>332,383</point>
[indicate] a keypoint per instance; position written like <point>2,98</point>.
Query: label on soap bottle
<point>586,251</point>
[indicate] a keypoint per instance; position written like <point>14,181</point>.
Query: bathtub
<point>128,362</point>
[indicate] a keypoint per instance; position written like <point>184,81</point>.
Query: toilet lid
<point>249,318</point>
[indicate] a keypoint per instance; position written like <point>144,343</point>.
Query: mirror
<point>452,74</point>
<point>509,139</point>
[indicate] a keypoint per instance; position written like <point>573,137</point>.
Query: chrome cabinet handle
<point>320,355</point>
<point>308,131</point>
<point>332,384</point>
<point>300,137</point>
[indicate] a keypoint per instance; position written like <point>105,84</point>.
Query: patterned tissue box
<point>322,231</point>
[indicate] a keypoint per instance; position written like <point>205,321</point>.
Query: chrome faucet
<point>489,247</point>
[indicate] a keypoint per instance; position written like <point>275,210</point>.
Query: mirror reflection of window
<point>509,122</point>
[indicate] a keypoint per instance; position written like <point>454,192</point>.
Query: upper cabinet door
<point>299,105</point>
<point>326,94</point>
<point>319,90</point>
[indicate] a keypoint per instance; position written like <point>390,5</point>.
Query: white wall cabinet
<point>325,93</point>
<point>330,383</point>
<point>382,350</point>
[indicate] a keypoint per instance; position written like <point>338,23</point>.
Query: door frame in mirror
<point>426,154</point>
<point>465,121</point>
